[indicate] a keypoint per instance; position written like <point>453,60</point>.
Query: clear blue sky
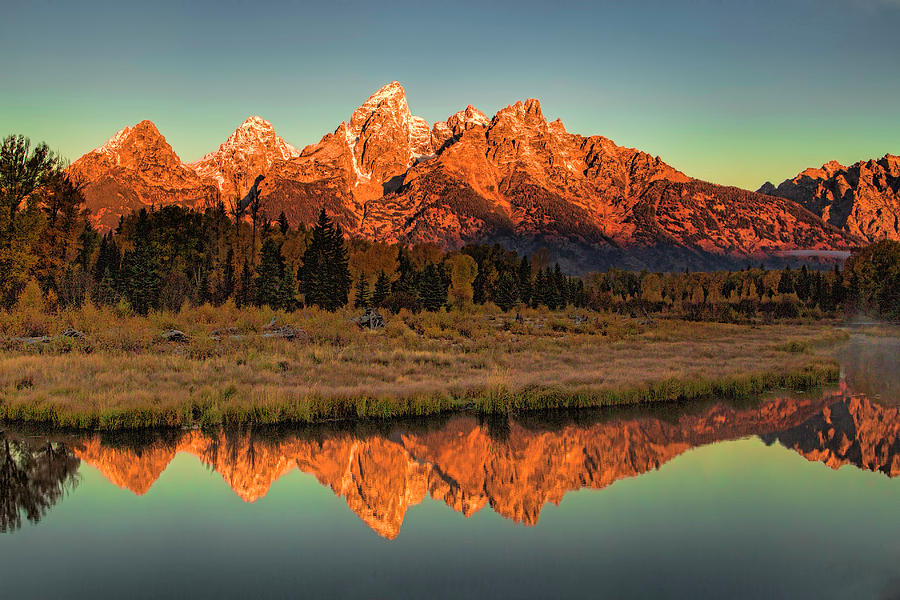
<point>734,92</point>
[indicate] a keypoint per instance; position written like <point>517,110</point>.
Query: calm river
<point>790,496</point>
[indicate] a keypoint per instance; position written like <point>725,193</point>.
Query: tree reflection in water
<point>33,478</point>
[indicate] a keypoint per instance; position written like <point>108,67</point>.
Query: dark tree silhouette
<point>363,298</point>
<point>33,479</point>
<point>325,274</point>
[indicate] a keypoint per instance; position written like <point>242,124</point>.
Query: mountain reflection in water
<point>514,465</point>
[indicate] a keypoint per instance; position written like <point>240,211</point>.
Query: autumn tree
<point>23,174</point>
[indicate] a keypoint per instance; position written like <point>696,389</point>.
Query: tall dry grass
<point>124,374</point>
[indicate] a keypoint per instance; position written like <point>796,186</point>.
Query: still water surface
<point>793,496</point>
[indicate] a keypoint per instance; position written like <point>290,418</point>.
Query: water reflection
<point>34,476</point>
<point>515,466</point>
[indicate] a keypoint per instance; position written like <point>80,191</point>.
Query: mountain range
<point>515,179</point>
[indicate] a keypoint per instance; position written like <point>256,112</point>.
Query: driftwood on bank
<point>370,320</point>
<point>46,339</point>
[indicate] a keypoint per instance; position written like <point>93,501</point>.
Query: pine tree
<point>226,285</point>
<point>802,284</point>
<point>203,293</point>
<point>406,282</point>
<point>434,288</point>
<point>506,291</point>
<point>552,296</point>
<point>269,274</point>
<point>325,274</point>
<point>140,270</point>
<point>244,295</point>
<point>363,298</point>
<point>105,292</point>
<point>339,272</point>
<point>837,295</point>
<point>525,286</point>
<point>382,290</point>
<point>108,258</point>
<point>561,284</point>
<point>539,291</point>
<point>786,282</point>
<point>287,291</point>
<point>283,225</point>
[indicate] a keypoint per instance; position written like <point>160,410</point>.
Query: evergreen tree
<point>434,288</point>
<point>525,286</point>
<point>269,275</point>
<point>325,274</point>
<point>88,242</point>
<point>506,292</point>
<point>203,293</point>
<point>283,225</point>
<point>363,298</point>
<point>551,295</point>
<point>105,292</point>
<point>108,258</point>
<point>140,270</point>
<point>382,290</point>
<point>837,290</point>
<point>226,284</point>
<point>407,278</point>
<point>786,282</point>
<point>539,291</point>
<point>339,272</point>
<point>561,283</point>
<point>802,285</point>
<point>287,291</point>
<point>244,295</point>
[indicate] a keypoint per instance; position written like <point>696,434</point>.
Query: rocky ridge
<point>862,199</point>
<point>516,178</point>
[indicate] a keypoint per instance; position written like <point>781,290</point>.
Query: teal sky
<point>734,92</point>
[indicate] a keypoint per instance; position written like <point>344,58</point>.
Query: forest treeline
<point>165,257</point>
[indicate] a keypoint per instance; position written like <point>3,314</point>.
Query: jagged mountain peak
<point>862,199</point>
<point>390,100</point>
<point>384,137</point>
<point>249,151</point>
<point>142,133</point>
<point>514,178</point>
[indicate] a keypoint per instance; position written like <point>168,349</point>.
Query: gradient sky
<point>734,92</point>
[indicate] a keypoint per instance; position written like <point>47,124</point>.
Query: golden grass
<point>123,374</point>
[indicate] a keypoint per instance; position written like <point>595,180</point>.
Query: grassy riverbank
<point>124,374</point>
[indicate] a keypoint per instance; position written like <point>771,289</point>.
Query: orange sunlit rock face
<point>514,468</point>
<point>863,199</point>
<point>385,174</point>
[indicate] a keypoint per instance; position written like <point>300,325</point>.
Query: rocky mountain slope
<point>136,168</point>
<point>516,179</point>
<point>862,200</point>
<point>252,149</point>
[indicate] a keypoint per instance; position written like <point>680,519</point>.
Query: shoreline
<point>121,374</point>
<point>325,410</point>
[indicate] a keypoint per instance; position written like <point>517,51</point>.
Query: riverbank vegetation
<point>123,373</point>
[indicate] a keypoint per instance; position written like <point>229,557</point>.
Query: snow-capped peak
<point>255,136</point>
<point>253,147</point>
<point>388,91</point>
<point>112,144</point>
<point>389,99</point>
